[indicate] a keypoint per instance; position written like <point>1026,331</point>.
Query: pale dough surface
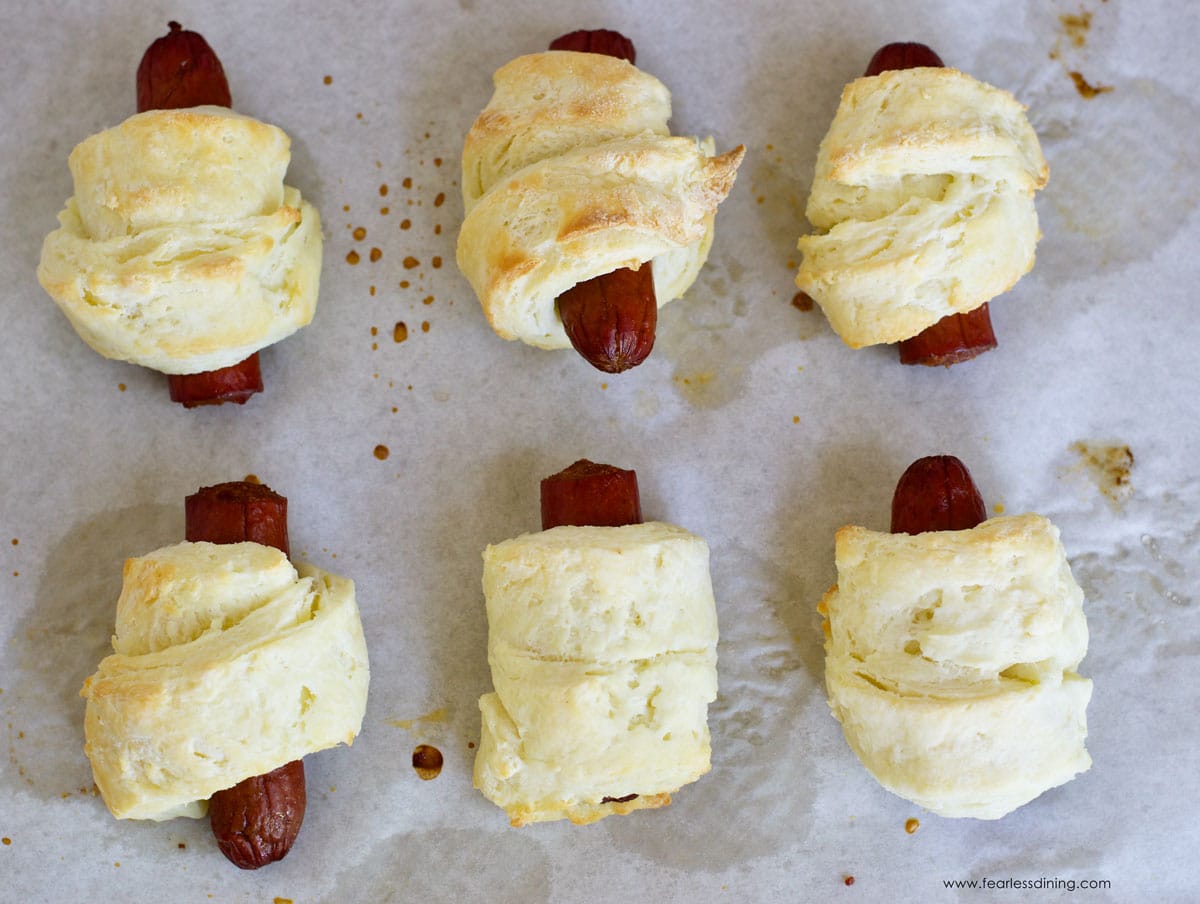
<point>181,249</point>
<point>228,663</point>
<point>923,202</point>
<point>950,662</point>
<point>570,173</point>
<point>602,647</point>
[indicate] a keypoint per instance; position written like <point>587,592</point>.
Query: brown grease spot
<point>1076,26</point>
<point>437,161</point>
<point>911,825</point>
<point>410,262</point>
<point>427,761</point>
<point>376,254</point>
<point>384,211</point>
<point>428,299</point>
<point>400,331</point>
<point>424,326</point>
<point>383,190</point>
<point>381,452</point>
<point>437,230</point>
<point>359,234</point>
<point>440,199</point>
<point>404,284</point>
<point>329,79</point>
<point>374,331</point>
<point>1109,467</point>
<point>121,387</point>
<point>371,290</point>
<point>1085,88</point>
<point>251,478</point>
<point>802,301</point>
<point>5,841</point>
<point>436,262</point>
<point>405,224</point>
<point>407,183</point>
<point>352,258</point>
<point>15,541</point>
<point>848,881</point>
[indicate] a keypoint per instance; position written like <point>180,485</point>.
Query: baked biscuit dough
<point>923,198</point>
<point>570,173</point>
<point>181,249</point>
<point>228,663</point>
<point>602,647</point>
<point>950,661</point>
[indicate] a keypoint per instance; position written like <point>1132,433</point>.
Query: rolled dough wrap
<point>229,663</point>
<point>570,173</point>
<point>950,661</point>
<point>181,249</point>
<point>602,646</point>
<point>923,202</point>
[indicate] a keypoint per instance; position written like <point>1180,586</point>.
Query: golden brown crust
<point>569,173</point>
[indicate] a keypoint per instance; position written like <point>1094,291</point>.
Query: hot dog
<point>586,493</point>
<point>610,319</point>
<point>936,493</point>
<point>256,821</point>
<point>958,337</point>
<point>180,70</point>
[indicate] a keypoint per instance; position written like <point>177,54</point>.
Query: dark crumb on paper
<point>849,880</point>
<point>182,846</point>
<point>618,800</point>
<point>1085,88</point>
<point>382,452</point>
<point>802,301</point>
<point>427,762</point>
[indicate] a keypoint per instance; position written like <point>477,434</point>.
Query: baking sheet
<point>750,424</point>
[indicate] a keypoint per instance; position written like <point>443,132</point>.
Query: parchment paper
<point>751,424</point>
